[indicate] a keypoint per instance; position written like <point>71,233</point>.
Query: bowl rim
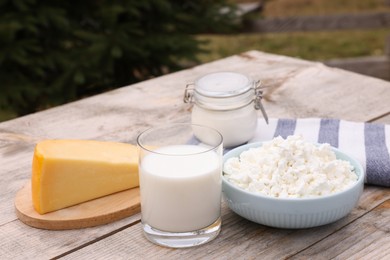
<point>359,171</point>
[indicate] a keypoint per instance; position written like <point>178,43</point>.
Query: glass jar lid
<point>223,84</point>
<point>225,91</point>
<point>221,91</point>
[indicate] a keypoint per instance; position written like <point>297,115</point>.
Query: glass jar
<point>227,102</point>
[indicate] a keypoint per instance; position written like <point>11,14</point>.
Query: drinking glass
<point>180,168</point>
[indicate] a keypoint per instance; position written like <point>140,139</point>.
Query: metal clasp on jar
<point>188,93</point>
<point>189,97</point>
<point>258,98</point>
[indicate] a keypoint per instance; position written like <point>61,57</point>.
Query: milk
<point>180,193</point>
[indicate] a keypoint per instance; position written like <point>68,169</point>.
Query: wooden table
<point>297,89</point>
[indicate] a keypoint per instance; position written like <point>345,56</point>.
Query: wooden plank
<point>374,66</point>
<point>368,238</point>
<point>19,241</point>
<point>135,107</point>
<point>17,172</point>
<point>120,115</point>
<point>239,238</point>
<point>385,119</point>
<point>331,95</point>
<point>49,244</point>
<point>291,93</point>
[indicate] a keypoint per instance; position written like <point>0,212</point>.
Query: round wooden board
<point>88,214</point>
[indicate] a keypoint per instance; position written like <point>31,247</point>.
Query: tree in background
<point>52,52</point>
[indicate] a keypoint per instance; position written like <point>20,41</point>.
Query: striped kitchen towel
<point>369,143</point>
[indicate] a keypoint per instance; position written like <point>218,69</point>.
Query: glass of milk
<point>180,183</point>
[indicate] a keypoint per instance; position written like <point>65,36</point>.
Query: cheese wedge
<point>69,172</point>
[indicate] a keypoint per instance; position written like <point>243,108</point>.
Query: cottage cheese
<point>290,168</point>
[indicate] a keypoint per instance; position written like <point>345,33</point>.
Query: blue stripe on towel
<point>377,154</point>
<point>193,140</point>
<point>329,132</point>
<point>285,127</point>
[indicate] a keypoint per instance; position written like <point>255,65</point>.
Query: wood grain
<point>19,241</point>
<point>295,89</point>
<point>88,214</point>
<point>239,238</point>
<point>360,241</point>
<point>384,119</point>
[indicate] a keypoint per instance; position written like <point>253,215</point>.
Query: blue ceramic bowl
<point>292,212</point>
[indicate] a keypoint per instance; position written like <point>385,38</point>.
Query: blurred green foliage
<point>317,46</point>
<point>52,52</point>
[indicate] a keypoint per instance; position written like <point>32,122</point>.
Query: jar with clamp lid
<point>227,102</point>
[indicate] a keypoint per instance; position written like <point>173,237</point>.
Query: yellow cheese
<point>69,172</point>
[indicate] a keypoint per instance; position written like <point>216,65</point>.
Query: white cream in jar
<point>227,102</point>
